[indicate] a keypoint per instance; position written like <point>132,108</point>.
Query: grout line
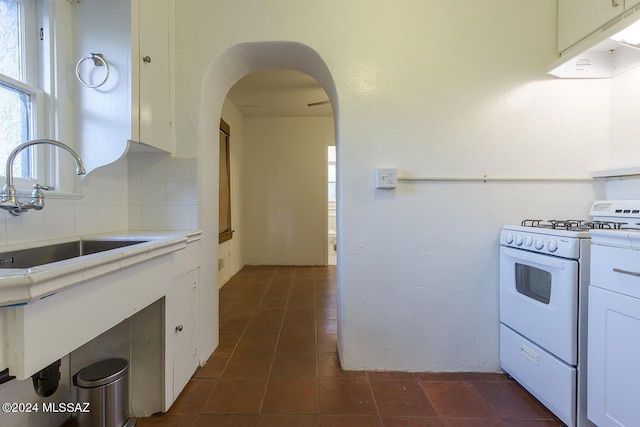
<point>485,401</point>
<point>373,396</point>
<point>273,360</point>
<point>315,329</point>
<point>266,386</point>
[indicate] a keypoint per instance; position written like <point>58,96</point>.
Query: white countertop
<point>619,238</point>
<point>616,172</point>
<point>20,286</point>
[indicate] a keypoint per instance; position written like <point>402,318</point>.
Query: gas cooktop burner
<point>573,224</point>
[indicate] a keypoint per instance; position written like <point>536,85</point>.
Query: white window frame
<point>41,84</point>
<point>38,123</point>
<point>30,85</point>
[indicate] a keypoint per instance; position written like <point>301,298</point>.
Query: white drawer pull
<point>630,273</point>
<point>530,354</point>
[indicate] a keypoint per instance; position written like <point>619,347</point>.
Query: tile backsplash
<point>162,192</point>
<point>142,191</point>
<point>99,207</point>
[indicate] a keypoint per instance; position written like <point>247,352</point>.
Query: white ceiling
<point>278,92</point>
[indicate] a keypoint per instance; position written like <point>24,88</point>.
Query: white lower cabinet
<point>185,329</point>
<point>614,349</point>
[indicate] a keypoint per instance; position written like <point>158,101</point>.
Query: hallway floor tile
<point>277,365</point>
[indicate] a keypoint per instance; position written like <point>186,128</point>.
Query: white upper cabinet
<point>152,52</point>
<point>579,18</point>
<point>134,104</point>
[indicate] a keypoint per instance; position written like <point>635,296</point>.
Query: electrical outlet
<point>386,177</point>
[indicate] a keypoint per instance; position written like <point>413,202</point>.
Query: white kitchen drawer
<point>616,269</point>
<point>550,380</point>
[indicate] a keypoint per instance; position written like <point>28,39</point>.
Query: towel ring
<point>98,61</point>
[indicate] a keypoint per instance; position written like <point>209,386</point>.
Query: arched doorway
<point>229,67</point>
<point>281,171</point>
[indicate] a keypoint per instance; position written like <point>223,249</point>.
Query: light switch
<point>386,178</point>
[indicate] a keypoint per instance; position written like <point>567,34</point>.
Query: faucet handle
<point>37,197</point>
<point>45,187</point>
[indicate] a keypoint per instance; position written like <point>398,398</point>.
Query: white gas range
<point>544,288</point>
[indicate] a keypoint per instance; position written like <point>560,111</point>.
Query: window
<point>20,98</point>
<point>226,233</point>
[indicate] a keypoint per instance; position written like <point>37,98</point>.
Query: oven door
<point>539,300</point>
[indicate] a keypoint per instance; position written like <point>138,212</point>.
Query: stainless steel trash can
<point>105,386</point>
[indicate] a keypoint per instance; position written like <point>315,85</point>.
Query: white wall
<point>285,190</point>
<point>432,88</point>
<point>625,126</point>
<point>625,134</point>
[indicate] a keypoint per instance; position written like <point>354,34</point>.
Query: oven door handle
<point>549,261</point>
<point>627,272</point>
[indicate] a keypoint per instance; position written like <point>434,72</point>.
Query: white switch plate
<point>386,177</point>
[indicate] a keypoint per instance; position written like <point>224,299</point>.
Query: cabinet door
<point>579,18</point>
<point>613,369</point>
<point>155,112</point>
<point>185,315</point>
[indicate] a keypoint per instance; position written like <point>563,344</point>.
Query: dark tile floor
<point>277,365</point>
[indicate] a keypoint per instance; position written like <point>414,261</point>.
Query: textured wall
<point>431,88</point>
<point>285,205</point>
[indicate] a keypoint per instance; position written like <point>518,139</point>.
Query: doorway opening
<point>332,163</point>
<point>224,71</point>
<point>286,126</point>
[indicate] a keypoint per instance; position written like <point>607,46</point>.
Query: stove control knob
<point>552,245</point>
<point>538,243</point>
<point>508,238</point>
<point>519,240</point>
<point>528,241</point>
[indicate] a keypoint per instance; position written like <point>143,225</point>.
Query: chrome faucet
<point>8,200</point>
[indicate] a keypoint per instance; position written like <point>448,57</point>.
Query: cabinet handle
<point>179,328</point>
<point>147,59</point>
<point>530,354</point>
<point>630,273</point>
<point>615,3</point>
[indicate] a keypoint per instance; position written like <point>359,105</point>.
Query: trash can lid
<point>101,373</point>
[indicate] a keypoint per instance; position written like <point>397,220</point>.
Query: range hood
<point>609,51</point>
